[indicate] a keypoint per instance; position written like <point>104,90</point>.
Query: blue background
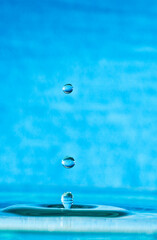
<point>108,51</point>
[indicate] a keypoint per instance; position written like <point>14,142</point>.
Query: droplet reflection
<point>68,162</point>
<point>67,200</point>
<point>67,88</point>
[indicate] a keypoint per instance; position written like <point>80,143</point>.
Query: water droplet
<point>67,200</point>
<point>67,88</point>
<point>68,162</point>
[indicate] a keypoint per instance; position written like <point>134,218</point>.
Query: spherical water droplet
<point>67,88</point>
<point>67,200</point>
<point>68,162</point>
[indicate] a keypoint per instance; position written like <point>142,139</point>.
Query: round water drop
<point>68,162</point>
<point>67,88</point>
<point>67,200</point>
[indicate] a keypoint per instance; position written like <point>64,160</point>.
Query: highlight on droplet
<point>68,162</point>
<point>67,200</point>
<point>67,88</point>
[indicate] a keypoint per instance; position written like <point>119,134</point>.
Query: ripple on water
<point>58,210</point>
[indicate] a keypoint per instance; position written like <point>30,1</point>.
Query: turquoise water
<point>78,236</point>
<point>127,215</point>
<point>108,51</point>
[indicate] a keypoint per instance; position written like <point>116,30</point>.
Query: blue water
<point>41,236</point>
<point>139,222</point>
<point>21,236</point>
<point>108,51</point>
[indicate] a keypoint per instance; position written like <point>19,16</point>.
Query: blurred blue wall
<point>108,51</point>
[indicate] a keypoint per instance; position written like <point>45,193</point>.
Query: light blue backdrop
<point>108,51</point>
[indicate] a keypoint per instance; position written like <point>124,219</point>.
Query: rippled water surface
<point>107,215</point>
<point>107,50</point>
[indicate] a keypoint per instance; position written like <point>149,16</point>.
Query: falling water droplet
<point>68,162</point>
<point>67,88</point>
<point>67,200</point>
